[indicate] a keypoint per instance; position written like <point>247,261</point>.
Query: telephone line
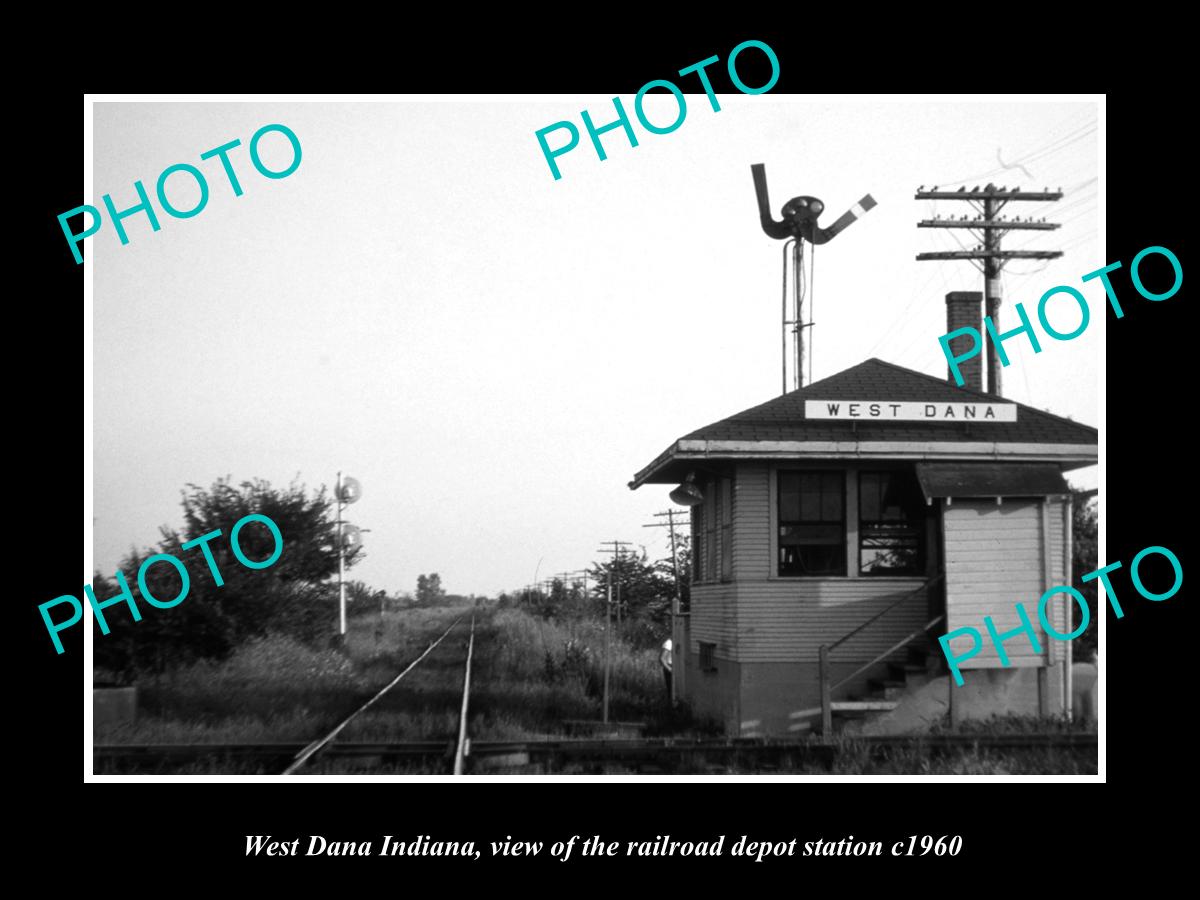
<point>1091,123</point>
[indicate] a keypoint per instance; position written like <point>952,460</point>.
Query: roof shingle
<point>783,419</point>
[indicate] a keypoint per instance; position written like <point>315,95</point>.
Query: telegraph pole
<point>617,549</point>
<point>988,227</point>
<point>341,565</point>
<point>566,585</point>
<point>677,601</point>
<point>670,524</point>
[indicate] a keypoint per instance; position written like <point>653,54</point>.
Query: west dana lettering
<point>910,411</point>
<point>955,659</point>
<point>1026,327</point>
<point>185,170</point>
<point>126,595</point>
<point>622,120</point>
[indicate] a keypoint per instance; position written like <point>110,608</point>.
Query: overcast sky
<point>494,353</point>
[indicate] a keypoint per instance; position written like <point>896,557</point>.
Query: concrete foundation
<point>766,699</point>
<point>714,695</point>
<point>1008,691</point>
<point>779,699</point>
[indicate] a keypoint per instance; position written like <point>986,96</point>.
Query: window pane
<point>868,493</point>
<point>812,560</point>
<point>892,498</point>
<point>810,498</point>
<point>810,534</point>
<point>889,561</point>
<point>892,524</point>
<point>812,526</point>
<point>832,500</point>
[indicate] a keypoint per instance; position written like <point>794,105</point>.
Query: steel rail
<point>461,750</point>
<point>304,755</point>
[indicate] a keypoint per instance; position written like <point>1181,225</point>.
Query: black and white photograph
<point>530,437</point>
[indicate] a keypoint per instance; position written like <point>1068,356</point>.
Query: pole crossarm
<point>991,254</point>
<point>988,194</point>
<point>985,219</point>
<point>1002,225</point>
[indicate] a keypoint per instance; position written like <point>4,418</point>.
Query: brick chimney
<point>963,311</point>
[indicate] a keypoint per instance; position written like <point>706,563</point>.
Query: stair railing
<point>827,688</point>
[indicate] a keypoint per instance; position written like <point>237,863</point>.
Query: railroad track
<point>292,758</point>
<point>646,754</point>
<point>322,745</point>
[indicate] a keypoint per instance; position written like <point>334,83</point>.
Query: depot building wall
<point>781,699</point>
<point>763,699</point>
<point>1011,691</point>
<point>784,699</point>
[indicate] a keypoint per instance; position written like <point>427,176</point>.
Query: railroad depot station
<point>839,529</point>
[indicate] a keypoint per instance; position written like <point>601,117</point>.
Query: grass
<point>275,688</point>
<point>529,677</point>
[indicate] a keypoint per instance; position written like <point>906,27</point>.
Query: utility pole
<point>670,524</point>
<point>677,601</point>
<point>988,227</point>
<point>578,576</point>
<point>620,578</point>
<point>566,585</point>
<point>617,548</point>
<point>341,565</point>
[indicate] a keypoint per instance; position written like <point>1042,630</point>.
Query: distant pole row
<point>617,549</point>
<point>676,601</point>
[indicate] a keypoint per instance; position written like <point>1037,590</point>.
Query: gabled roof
<point>779,428</point>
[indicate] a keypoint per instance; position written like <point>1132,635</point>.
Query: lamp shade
<point>351,537</point>
<point>351,490</point>
<point>687,494</point>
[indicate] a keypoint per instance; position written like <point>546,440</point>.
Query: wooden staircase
<point>883,694</point>
<point>902,677</point>
<point>920,664</point>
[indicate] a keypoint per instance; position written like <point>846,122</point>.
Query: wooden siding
<point>994,558</point>
<point>1057,606</point>
<point>714,618</point>
<point>788,619</point>
<point>752,523</point>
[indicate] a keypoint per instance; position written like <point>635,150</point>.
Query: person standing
<point>664,659</point>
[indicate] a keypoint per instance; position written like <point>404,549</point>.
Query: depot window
<point>712,533</point>
<point>891,524</point>
<point>812,523</point>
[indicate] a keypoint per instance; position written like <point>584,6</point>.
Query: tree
<point>641,593</point>
<point>293,596</point>
<point>683,556</point>
<point>1083,540</point>
<point>362,599</point>
<point>429,589</point>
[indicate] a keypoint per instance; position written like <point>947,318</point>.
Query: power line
<point>617,551</point>
<point>1048,147</point>
<point>919,333</point>
<point>889,334</point>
